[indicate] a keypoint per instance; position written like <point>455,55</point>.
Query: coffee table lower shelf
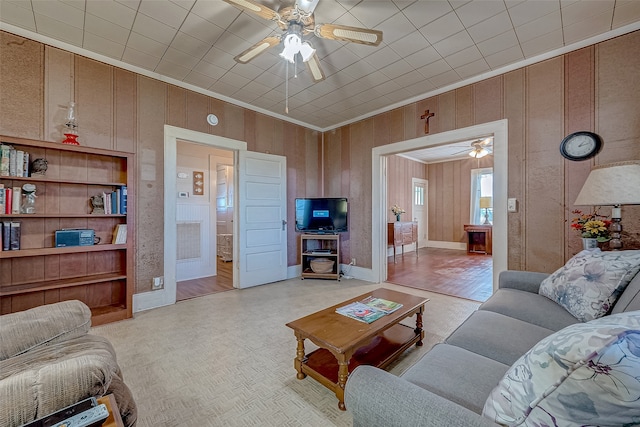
<point>322,365</point>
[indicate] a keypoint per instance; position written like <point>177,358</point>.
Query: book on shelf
<point>381,304</point>
<point>8,200</point>
<point>4,159</point>
<point>14,236</point>
<point>6,234</point>
<point>2,202</point>
<point>123,200</point>
<point>362,312</point>
<point>13,162</point>
<point>120,234</point>
<point>16,195</point>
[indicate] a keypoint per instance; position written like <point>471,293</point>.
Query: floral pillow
<point>589,284</point>
<point>584,374</point>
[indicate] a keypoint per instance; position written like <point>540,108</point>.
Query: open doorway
<point>497,130</point>
<point>204,220</point>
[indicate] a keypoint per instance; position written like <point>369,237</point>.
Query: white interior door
<point>420,193</point>
<point>262,231</point>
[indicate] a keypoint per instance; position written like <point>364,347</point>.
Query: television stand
<point>317,247</point>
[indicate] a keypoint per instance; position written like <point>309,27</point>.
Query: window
<point>481,196</point>
<point>418,196</point>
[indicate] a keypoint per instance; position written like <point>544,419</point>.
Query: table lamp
<point>614,184</point>
<point>486,203</point>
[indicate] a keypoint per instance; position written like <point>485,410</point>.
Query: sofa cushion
<point>529,307</point>
<point>496,336</point>
<point>44,325</point>
<point>630,298</point>
<point>584,374</point>
<point>457,375</point>
<point>589,284</point>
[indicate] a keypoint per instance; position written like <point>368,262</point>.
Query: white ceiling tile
<point>15,14</point>
<point>189,45</point>
<point>328,11</point>
<point>131,4</point>
<point>219,58</point>
<point>473,69</point>
<point>445,79</point>
<point>58,30</point>
<point>442,28</point>
<point>78,4</point>
<point>185,4</point>
<point>178,57</point>
<point>463,57</point>
<point>217,12</point>
<point>140,59</point>
<point>232,44</point>
<point>395,28</point>
<point>412,43</point>
<point>590,27</point>
<point>60,12</point>
<point>504,57</point>
<point>539,27</point>
<point>423,57</point>
<point>454,43</point>
<point>527,11</point>
<point>252,30</point>
<point>626,12</point>
<point>103,46</point>
<point>201,29</point>
<point>435,68</point>
<point>170,69</point>
<point>493,26</point>
<point>477,11</point>
<point>153,29</point>
<point>163,11</point>
<point>418,89</point>
<point>234,79</point>
<point>246,70</point>
<point>397,69</point>
<point>111,11</point>
<point>146,45</point>
<point>382,57</point>
<point>210,70</point>
<point>359,69</point>
<point>223,88</point>
<point>388,87</point>
<point>421,13</point>
<point>372,13</point>
<point>577,12</point>
<point>106,29</point>
<point>542,44</point>
<point>411,78</point>
<point>360,50</point>
<point>498,43</point>
<point>341,58</point>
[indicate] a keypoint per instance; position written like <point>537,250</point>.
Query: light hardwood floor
<point>223,281</point>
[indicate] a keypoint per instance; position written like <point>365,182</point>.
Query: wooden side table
<point>114,419</point>
<point>479,238</point>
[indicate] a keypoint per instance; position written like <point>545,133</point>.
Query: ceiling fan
<point>296,22</point>
<point>479,148</point>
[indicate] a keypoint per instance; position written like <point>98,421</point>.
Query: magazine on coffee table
<point>381,304</point>
<point>359,311</point>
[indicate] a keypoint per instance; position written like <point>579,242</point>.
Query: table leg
<point>418,330</point>
<point>300,357</point>
<point>343,374</point>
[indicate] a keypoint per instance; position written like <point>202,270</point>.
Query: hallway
<point>446,271</point>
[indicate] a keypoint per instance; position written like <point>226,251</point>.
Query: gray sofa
<point>449,385</point>
<point>48,361</point>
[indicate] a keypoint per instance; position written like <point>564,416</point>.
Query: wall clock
<point>580,145</point>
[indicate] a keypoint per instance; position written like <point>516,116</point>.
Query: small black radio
<point>74,237</point>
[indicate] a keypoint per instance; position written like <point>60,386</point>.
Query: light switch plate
<point>512,205</point>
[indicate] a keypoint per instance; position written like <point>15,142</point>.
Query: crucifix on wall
<point>426,116</point>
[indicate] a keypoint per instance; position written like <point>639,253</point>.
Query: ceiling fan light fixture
<point>478,153</point>
<point>293,45</point>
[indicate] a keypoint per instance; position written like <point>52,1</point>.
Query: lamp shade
<point>485,202</point>
<point>611,185</point>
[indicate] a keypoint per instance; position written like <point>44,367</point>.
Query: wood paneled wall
<point>121,110</point>
<point>596,88</point>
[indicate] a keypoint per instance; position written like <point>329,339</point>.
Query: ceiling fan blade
<point>257,49</point>
<point>255,8</point>
<point>313,65</point>
<point>349,34</point>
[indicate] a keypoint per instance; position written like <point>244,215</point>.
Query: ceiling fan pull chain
<point>286,88</point>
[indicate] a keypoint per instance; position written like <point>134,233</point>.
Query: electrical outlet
<point>353,261</point>
<point>158,282</point>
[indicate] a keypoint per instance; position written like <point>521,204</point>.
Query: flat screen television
<point>322,215</point>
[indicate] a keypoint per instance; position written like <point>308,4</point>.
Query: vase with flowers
<point>397,211</point>
<point>593,228</point>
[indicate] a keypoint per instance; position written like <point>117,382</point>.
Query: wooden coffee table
<point>347,343</point>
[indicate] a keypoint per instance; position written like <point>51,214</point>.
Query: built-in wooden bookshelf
<point>100,275</point>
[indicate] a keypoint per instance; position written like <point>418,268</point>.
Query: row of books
<point>10,235</point>
<point>116,201</point>
<point>369,309</point>
<point>10,199</point>
<point>13,162</point>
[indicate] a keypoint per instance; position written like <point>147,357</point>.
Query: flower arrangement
<point>591,226</point>
<point>397,210</point>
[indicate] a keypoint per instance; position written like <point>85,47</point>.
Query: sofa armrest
<point>377,398</point>
<point>528,281</point>
<point>48,324</point>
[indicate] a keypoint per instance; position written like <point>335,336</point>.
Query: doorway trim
<point>498,129</point>
<point>167,295</point>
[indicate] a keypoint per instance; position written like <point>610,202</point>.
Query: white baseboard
<point>153,299</point>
